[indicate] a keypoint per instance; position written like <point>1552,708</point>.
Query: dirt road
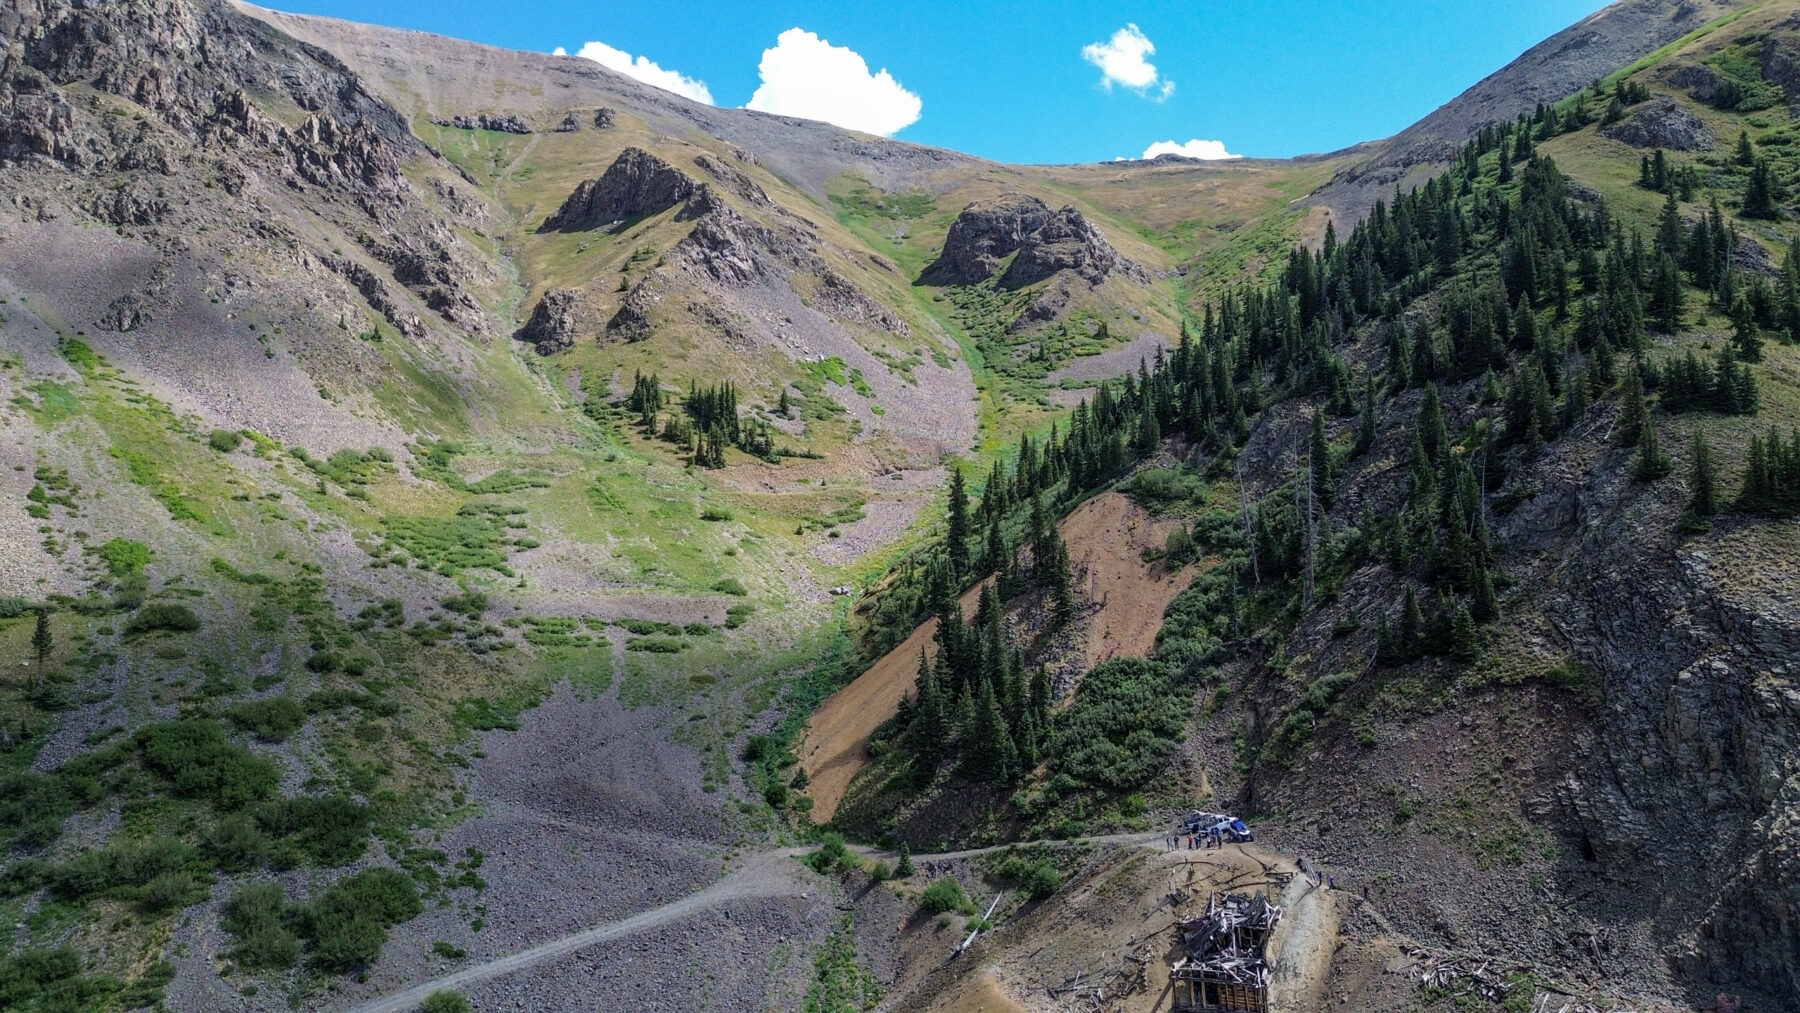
<point>1301,954</point>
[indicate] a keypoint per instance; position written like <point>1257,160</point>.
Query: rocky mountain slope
<point>433,466</point>
<point>1611,38</point>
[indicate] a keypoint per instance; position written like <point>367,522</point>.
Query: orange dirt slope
<point>1107,537</point>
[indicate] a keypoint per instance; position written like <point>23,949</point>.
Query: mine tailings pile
<point>1225,969</point>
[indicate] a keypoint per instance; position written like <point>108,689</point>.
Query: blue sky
<point>1028,80</point>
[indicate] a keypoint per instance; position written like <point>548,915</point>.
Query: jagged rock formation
<point>603,118</point>
<point>1046,242</point>
<point>636,184</point>
<point>1662,123</point>
<point>569,125</point>
<point>555,323</point>
<point>503,124</point>
<point>733,180</point>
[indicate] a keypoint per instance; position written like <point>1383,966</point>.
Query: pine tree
<point>1465,642</point>
<point>1432,434</point>
<point>1412,626</point>
<point>1669,229</point>
<point>1651,463</point>
<point>1387,648</point>
<point>1759,195</point>
<point>1324,473</point>
<point>42,642</point>
<point>905,868</point>
<point>1485,608</point>
<point>996,555</point>
<point>1746,337</point>
<point>786,406</point>
<point>1746,154</point>
<point>1666,298</point>
<point>956,542</point>
<point>1634,411</point>
<point>1703,492</point>
<point>1365,422</point>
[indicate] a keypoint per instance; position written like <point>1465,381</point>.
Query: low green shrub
<point>162,615</point>
<point>443,1001</point>
<point>198,761</point>
<point>946,894</point>
<point>271,720</point>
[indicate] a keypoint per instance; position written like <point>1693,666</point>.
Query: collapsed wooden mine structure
<point>1225,970</point>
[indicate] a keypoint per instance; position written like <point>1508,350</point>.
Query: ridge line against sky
<point>1035,82</point>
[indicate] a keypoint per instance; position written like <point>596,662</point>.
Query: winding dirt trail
<point>1305,939</point>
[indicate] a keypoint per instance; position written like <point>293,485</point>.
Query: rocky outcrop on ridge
<point>503,124</point>
<point>636,184</point>
<point>1046,242</point>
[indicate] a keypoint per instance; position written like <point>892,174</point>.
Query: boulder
<point>555,323</point>
<point>1662,123</point>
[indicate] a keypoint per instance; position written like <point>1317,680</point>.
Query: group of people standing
<point>1175,838</point>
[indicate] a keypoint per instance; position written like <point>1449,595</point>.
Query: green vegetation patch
<point>477,537</point>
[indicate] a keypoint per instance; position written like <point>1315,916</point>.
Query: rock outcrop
<point>569,124</point>
<point>1046,242</point>
<point>1662,123</point>
<point>503,124</point>
<point>728,250</point>
<point>636,184</point>
<point>555,323</point>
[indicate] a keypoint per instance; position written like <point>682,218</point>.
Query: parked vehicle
<point>1229,828</point>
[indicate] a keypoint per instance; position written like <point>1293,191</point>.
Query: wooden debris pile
<point>1225,968</point>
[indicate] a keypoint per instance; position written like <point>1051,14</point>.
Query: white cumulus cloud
<point>806,76</point>
<point>642,68</point>
<point>1208,150</point>
<point>1123,60</point>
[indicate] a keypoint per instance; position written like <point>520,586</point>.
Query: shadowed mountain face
<point>362,390</point>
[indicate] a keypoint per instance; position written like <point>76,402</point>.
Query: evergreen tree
<point>1465,643</point>
<point>1365,421</point>
<point>1703,494</point>
<point>1634,411</point>
<point>996,556</point>
<point>1668,228</point>
<point>1746,336</point>
<point>1433,436</point>
<point>1411,638</point>
<point>1651,463</point>
<point>1666,297</point>
<point>956,542</point>
<point>42,642</point>
<point>785,408</point>
<point>1485,608</point>
<point>1746,154</point>
<point>1387,647</point>
<point>1759,194</point>
<point>905,868</point>
<point>1324,473</point>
